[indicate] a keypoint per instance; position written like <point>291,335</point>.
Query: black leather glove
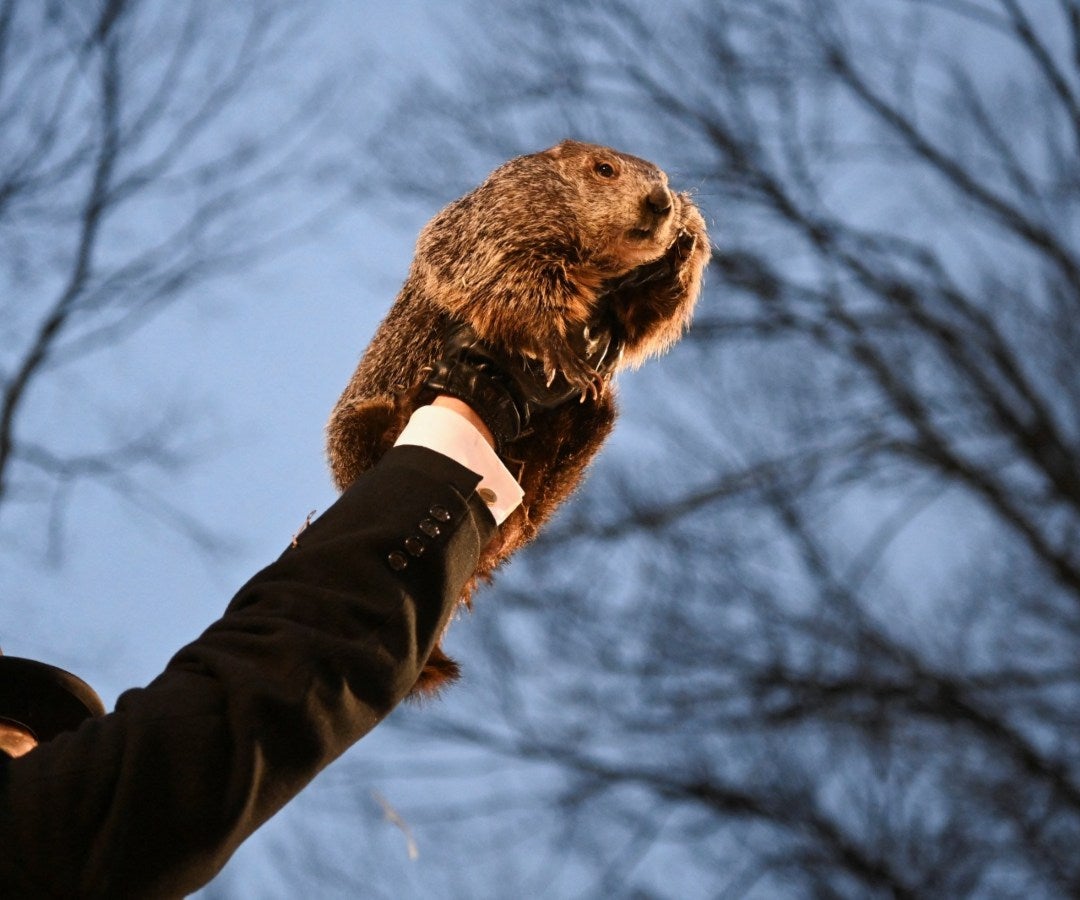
<point>504,390</point>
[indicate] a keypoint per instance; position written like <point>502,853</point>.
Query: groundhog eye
<point>605,170</point>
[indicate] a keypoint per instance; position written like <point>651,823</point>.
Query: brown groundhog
<point>554,252</point>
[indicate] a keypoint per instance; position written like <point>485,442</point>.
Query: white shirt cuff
<point>451,434</point>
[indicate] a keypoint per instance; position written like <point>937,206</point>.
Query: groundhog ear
<point>561,149</point>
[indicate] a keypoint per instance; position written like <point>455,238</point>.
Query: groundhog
<point>556,254</point>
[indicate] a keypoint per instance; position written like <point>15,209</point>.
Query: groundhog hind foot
<point>439,672</point>
<point>360,433</point>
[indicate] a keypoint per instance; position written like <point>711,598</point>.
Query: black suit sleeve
<point>151,800</point>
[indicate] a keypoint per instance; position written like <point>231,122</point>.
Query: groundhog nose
<point>659,200</point>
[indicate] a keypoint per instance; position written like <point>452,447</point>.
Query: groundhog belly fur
<point>554,251</point>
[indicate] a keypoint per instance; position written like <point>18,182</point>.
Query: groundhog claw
<point>579,375</point>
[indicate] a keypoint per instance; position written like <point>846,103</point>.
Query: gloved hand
<point>505,390</point>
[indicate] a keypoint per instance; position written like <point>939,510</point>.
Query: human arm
<point>311,654</point>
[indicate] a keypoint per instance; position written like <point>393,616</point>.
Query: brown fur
<point>549,244</point>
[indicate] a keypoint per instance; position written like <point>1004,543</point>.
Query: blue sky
<point>255,360</point>
<point>250,365</point>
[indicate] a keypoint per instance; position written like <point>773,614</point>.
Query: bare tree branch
<point>109,113</point>
<point>816,633</point>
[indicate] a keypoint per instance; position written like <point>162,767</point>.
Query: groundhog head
<point>624,214</point>
<point>559,242</point>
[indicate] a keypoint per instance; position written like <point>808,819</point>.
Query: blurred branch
<point>850,653</point>
<point>1057,79</point>
<point>108,122</point>
<point>784,808</point>
<point>52,325</point>
<point>959,176</point>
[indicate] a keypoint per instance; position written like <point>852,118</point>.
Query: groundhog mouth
<point>641,234</point>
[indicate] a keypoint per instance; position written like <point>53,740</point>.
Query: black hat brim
<point>45,699</point>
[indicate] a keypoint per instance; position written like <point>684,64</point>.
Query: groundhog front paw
<point>683,248</point>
